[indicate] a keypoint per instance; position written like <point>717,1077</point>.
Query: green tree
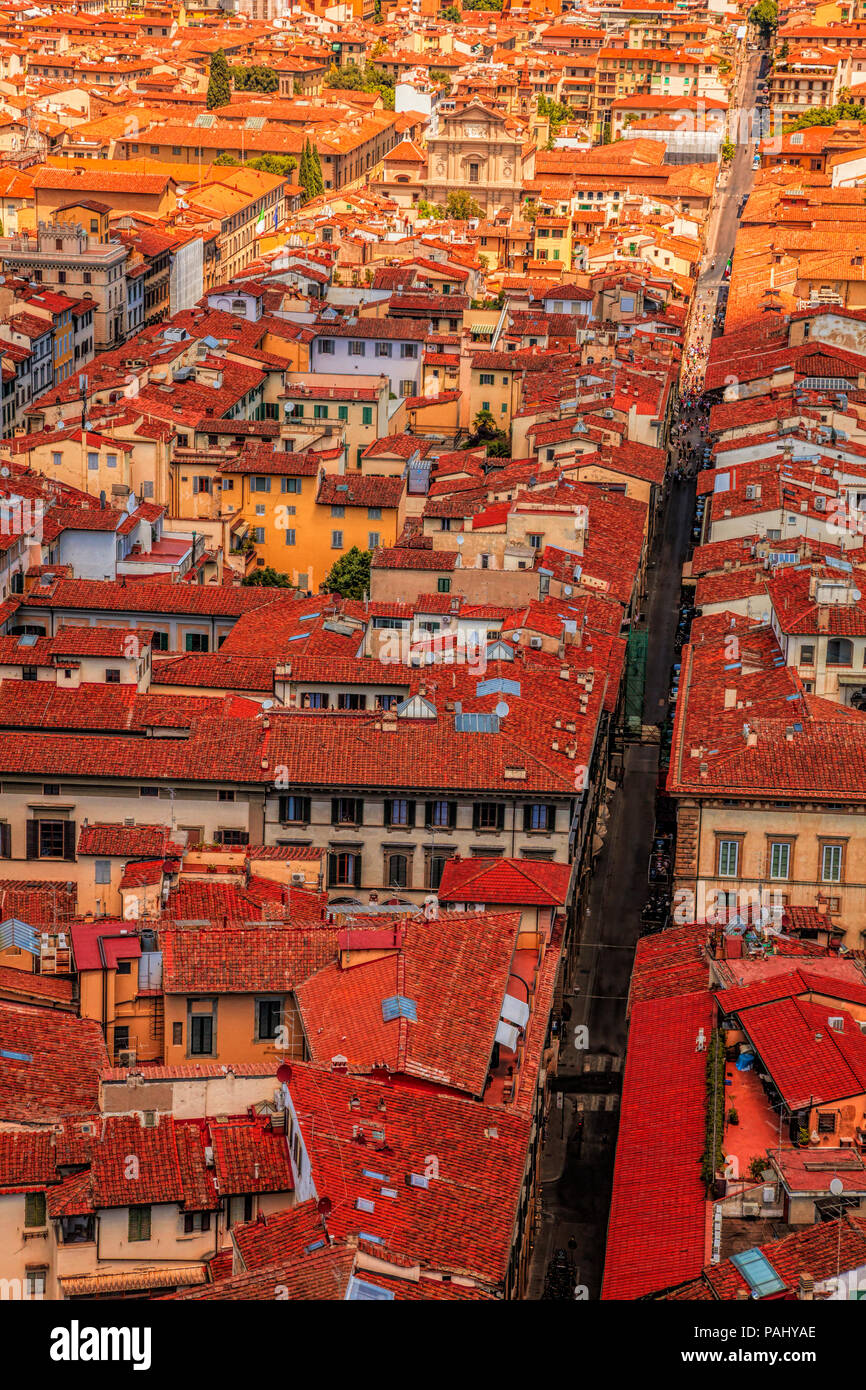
<point>440,75</point>
<point>350,575</point>
<point>765,16</point>
<point>461,205</point>
<point>226,159</point>
<point>310,172</point>
<point>281,164</point>
<point>268,577</point>
<point>351,78</point>
<point>426,210</point>
<point>256,78</point>
<point>828,115</point>
<point>486,432</point>
<point>728,151</point>
<point>451,13</point>
<point>482,5</point>
<point>557,113</point>
<point>219,92</point>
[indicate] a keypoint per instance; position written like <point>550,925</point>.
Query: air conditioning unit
<point>298,880</point>
<point>535,643</point>
<point>751,1209</point>
<point>126,1057</point>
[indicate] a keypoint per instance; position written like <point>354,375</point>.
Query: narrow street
<point>580,1140</point>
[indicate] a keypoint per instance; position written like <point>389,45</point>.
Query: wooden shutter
<point>527,818</point>
<point>500,816</point>
<point>356,877</point>
<point>69,839</point>
<point>33,839</point>
<point>551,817</point>
<point>335,810</point>
<point>452,814</point>
<point>332,870</point>
<point>5,841</point>
<point>411,813</point>
<point>428,815</point>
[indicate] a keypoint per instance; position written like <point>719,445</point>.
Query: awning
<point>85,1285</point>
<point>486,328</point>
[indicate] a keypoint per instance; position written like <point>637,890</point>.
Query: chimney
<point>730,697</point>
<point>806,1287</point>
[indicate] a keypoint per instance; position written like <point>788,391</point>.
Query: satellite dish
<point>856,595</point>
<point>4,472</point>
<point>459,540</point>
<point>502,709</point>
<point>837,1187</point>
<point>323,1206</point>
<point>267,704</point>
<point>284,1073</point>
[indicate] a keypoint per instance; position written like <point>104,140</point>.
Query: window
<point>840,652</point>
<point>269,1016</point>
<point>159,642</point>
<point>407,387</point>
<point>231,836</point>
<point>831,863</point>
<point>349,699</point>
<point>57,459</point>
<point>102,870</point>
<point>487,379</point>
<point>473,173</point>
<point>374,540</point>
<point>443,586</point>
<point>326,347</point>
<point>440,815</point>
<point>397,870</point>
<point>196,642</point>
<point>290,485</point>
<point>409,350</point>
<point>294,810</point>
<point>195,1221</point>
<point>50,839</point>
<point>34,1209</point>
<point>538,816</point>
<point>400,812</point>
<point>336,540</point>
<point>807,655</point>
<point>342,412</point>
<point>780,859</point>
<point>826,1122</point>
<point>112,676</point>
<point>345,810</point>
<point>225,794</point>
<point>374,513</point>
<point>258,484</point>
<point>34,1279</point>
<point>201,1029</point>
<point>338,511</point>
<point>290,536</point>
<point>534,540</point>
<point>320,412</point>
<point>29,673</point>
<point>357,349</point>
<point>139,1223</point>
<point>728,858</point>
<point>367,415</point>
<point>435,869</point>
<point>200,483</point>
<point>488,815</point>
<point>382,350</point>
<point>344,870</point>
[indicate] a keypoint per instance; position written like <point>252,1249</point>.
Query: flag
<point>260,225</point>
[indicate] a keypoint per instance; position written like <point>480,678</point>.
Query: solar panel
<point>254,123</point>
<point>205,120</point>
<point>758,1273</point>
<point>499,685</point>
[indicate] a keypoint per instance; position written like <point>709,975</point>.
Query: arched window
<point>840,652</point>
<point>398,871</point>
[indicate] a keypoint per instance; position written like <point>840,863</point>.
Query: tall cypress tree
<point>316,170</point>
<point>219,90</point>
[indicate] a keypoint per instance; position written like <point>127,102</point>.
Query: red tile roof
<point>511,881</point>
<point>657,1224</point>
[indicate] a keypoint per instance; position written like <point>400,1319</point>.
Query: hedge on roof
<point>714,1153</point>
